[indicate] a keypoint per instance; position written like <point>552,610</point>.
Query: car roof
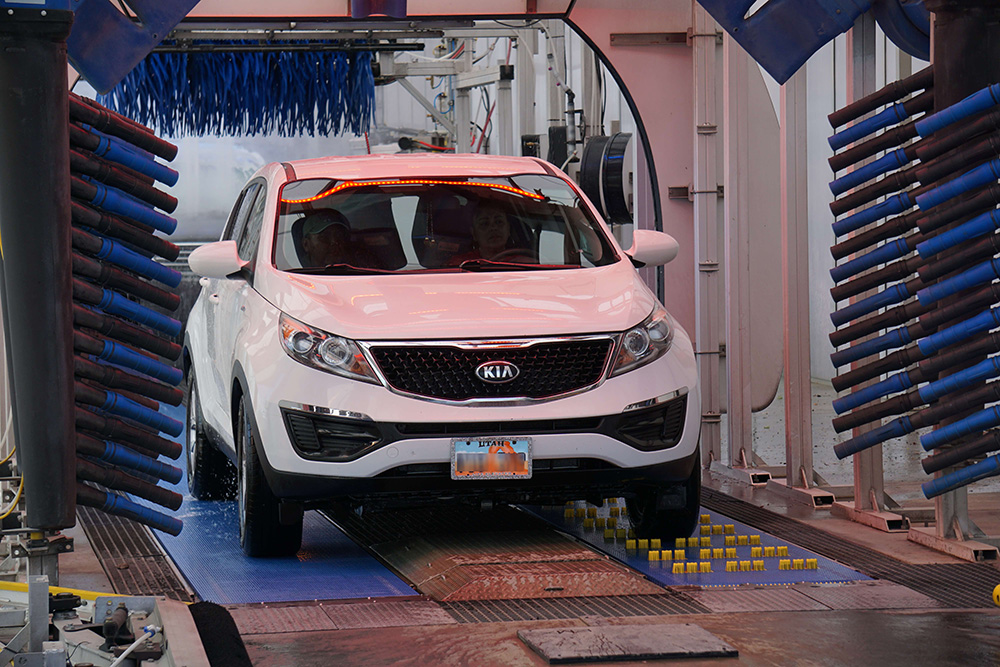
<point>417,165</point>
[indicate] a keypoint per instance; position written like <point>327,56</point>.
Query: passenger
<point>326,239</point>
<point>491,237</point>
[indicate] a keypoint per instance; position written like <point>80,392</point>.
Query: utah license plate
<point>491,458</point>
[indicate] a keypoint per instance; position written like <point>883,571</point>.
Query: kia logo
<point>496,372</point>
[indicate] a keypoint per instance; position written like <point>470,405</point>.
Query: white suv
<point>422,328</point>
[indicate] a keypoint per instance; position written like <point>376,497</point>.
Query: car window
<point>521,222</point>
<point>249,238</point>
<point>237,219</point>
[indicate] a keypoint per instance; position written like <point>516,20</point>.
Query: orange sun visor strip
<point>358,184</point>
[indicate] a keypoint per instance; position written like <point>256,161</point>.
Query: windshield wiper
<point>339,270</point>
<point>492,265</point>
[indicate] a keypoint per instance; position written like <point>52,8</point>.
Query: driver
<point>490,236</point>
<point>326,238</point>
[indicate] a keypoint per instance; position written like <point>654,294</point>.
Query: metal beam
<point>737,254</point>
<point>439,117</point>
<point>706,232</point>
<point>795,283</point>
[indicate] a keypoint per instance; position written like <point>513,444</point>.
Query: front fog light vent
<point>328,439</point>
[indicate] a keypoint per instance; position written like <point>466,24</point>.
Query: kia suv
<point>408,329</point>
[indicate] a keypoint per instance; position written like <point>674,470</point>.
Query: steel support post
<point>592,125</point>
<point>708,334</point>
<point>38,612</point>
<point>463,120</point>
<point>869,487</point>
<point>737,254</point>
<point>505,117</point>
<point>555,38</point>
<point>35,250</point>
<point>527,46</point>
<point>798,482</point>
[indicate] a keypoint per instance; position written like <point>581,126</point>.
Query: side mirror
<point>652,248</point>
<point>216,260</point>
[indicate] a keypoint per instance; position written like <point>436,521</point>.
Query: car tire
<point>210,475</point>
<point>261,532</point>
<point>649,520</point>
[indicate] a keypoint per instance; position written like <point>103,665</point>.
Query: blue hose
<point>978,226</point>
<point>116,150</point>
<point>118,254</point>
<point>890,385</point>
<point>115,504</point>
<point>983,272</point>
<point>887,297</point>
<point>887,162</point>
<point>963,476</point>
<point>974,103</point>
<point>116,201</point>
<point>119,405</point>
<point>984,370</point>
<point>978,421</point>
<point>984,321</point>
<point>893,338</point>
<point>884,253</point>
<point>120,455</point>
<point>894,429</point>
<point>981,175</point>
<point>116,304</point>
<point>892,205</point>
<point>119,354</point>
<point>888,116</point>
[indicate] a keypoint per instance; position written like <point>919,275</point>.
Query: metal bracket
<point>649,38</point>
<point>50,545</point>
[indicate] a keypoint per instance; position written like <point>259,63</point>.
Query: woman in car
<point>491,237</point>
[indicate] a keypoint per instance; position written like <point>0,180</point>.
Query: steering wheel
<point>510,253</point>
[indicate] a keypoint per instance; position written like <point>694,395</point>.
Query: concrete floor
<point>841,638</point>
<point>828,637</point>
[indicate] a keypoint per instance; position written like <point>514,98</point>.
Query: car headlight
<point>644,343</point>
<point>325,351</point>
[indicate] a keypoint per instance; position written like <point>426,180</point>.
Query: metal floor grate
<point>131,559</point>
<point>960,586</point>
<point>495,611</point>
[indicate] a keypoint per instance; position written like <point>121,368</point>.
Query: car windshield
<point>524,222</point>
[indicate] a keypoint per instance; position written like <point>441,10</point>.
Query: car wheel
<point>210,475</point>
<point>666,511</point>
<point>261,531</point>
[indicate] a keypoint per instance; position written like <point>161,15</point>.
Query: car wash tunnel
<point>549,331</point>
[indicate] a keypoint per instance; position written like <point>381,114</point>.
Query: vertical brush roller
<point>119,339</point>
<point>940,242</point>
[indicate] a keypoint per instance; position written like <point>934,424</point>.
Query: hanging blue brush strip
<point>248,93</point>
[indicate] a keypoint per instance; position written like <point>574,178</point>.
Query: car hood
<point>465,305</point>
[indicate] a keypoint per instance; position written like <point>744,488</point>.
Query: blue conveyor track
<point>329,565</point>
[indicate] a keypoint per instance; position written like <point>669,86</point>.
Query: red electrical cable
<point>368,145</point>
<point>485,126</point>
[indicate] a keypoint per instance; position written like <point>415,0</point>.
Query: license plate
<point>491,458</point>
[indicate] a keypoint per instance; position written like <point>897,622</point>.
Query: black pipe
<point>890,138</point>
<point>961,256</point>
<point>34,226</point>
<point>912,355</point>
<point>136,234</point>
<point>934,168</point>
<point>924,79</point>
<point>117,430</point>
<point>84,140</point>
<point>109,173</point>
<point>895,316</point>
<point>116,125</point>
<point>946,458</point>
<point>122,481</point>
<point>118,380</point>
<point>102,274</point>
<point>112,327</point>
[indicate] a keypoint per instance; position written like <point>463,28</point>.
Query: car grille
<point>449,372</point>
